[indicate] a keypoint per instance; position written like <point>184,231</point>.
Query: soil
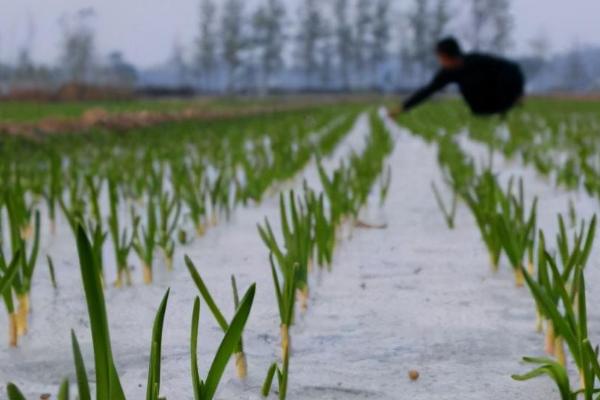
<point>97,118</point>
<point>414,296</point>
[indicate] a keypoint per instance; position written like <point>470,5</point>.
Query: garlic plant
<point>240,357</point>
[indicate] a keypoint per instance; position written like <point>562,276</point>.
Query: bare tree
<point>576,74</point>
<point>269,38</point>
<point>503,24</point>
<point>479,19</point>
<point>26,74</point>
<point>119,72</point>
<point>326,55</point>
<point>419,23</point>
<point>540,46</point>
<point>24,70</point>
<point>534,63</point>
<point>179,64</point>
<point>232,38</point>
<point>344,41</point>
<point>441,19</point>
<point>206,43</point>
<point>4,72</point>
<point>491,25</point>
<point>381,33</point>
<point>311,33</point>
<point>362,37</point>
<point>77,57</point>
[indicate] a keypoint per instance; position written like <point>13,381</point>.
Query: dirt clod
<point>413,374</point>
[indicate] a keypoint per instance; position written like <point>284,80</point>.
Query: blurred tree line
<point>336,44</point>
<point>314,45</point>
<point>78,62</point>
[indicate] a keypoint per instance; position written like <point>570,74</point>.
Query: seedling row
<point>149,192</point>
<point>553,270</point>
<point>143,193</point>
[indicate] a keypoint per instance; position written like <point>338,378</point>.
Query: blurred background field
<point>70,51</point>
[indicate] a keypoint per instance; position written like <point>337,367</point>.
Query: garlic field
<point>320,253</point>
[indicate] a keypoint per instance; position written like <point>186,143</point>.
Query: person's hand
<point>394,112</point>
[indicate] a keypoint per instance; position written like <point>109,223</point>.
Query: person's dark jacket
<point>489,84</point>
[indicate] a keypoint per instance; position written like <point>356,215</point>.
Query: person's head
<point>449,53</point>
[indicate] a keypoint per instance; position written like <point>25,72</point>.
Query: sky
<point>146,30</point>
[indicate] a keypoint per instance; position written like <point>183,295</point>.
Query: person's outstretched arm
<point>441,79</point>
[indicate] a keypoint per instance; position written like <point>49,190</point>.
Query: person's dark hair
<point>449,47</point>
